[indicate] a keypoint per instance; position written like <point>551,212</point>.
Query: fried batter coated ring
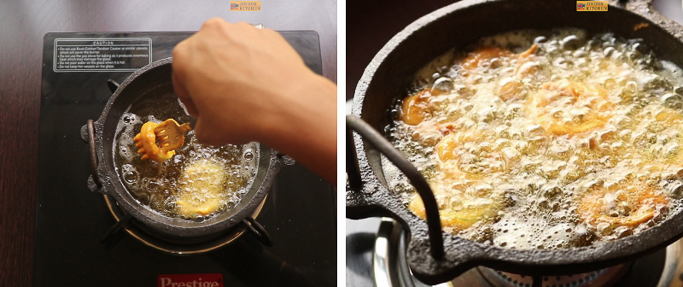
<point>449,163</point>
<point>461,218</point>
<point>146,142</point>
<point>566,108</point>
<point>478,56</point>
<point>202,185</point>
<point>416,107</point>
<point>475,58</point>
<point>629,205</point>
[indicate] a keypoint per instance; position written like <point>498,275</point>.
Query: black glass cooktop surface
<point>299,212</point>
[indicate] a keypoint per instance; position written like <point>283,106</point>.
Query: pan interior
<point>218,176</point>
<point>155,84</point>
<point>508,174</point>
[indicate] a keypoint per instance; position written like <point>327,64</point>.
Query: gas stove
<point>378,259</point>
<point>85,239</point>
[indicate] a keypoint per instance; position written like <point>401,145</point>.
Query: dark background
<point>371,24</point>
<point>22,27</point>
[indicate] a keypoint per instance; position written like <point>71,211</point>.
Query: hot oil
<point>157,185</point>
<point>556,171</point>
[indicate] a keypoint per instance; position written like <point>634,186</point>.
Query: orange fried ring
<point>146,142</point>
<point>450,164</point>
<point>511,90</point>
<point>641,206</point>
<point>446,147</point>
<point>475,58</point>
<point>460,219</point>
<point>415,107</point>
<point>563,95</point>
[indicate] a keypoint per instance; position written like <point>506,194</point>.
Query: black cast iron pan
<point>388,77</point>
<point>149,81</point>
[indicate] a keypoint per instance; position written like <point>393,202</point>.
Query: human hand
<point>244,84</point>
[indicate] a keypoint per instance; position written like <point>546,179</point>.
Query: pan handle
<point>645,8</point>
<point>258,231</point>
<point>112,85</point>
<point>387,149</point>
<point>623,2</point>
<point>352,170</point>
<point>93,153</point>
<point>285,159</point>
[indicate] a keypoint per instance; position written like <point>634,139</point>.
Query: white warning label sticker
<point>101,54</point>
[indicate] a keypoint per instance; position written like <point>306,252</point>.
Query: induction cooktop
<point>299,212</point>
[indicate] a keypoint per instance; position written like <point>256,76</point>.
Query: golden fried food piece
<point>567,108</point>
<point>529,52</point>
<point>445,129</point>
<point>658,120</point>
<point>146,143</point>
<point>416,107</point>
<point>669,116</point>
<point>672,119</point>
<point>473,59</point>
<point>482,162</point>
<point>158,141</point>
<point>510,90</point>
<point>461,218</point>
<point>201,189</point>
<point>665,150</point>
<point>629,205</point>
<point>527,67</point>
<point>446,147</point>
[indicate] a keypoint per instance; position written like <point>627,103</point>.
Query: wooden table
<point>22,26</point>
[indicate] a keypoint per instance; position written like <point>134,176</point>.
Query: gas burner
<point>389,268</point>
<point>604,277</point>
<point>158,242</point>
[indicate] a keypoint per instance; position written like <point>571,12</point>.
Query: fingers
<point>184,96</point>
<point>180,57</point>
<point>206,133</point>
<point>213,23</point>
<point>213,67</point>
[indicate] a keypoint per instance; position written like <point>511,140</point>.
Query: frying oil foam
<point>540,179</point>
<point>157,184</point>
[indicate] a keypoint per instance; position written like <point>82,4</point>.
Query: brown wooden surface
<point>22,26</point>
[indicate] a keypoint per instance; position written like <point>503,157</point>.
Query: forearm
<point>305,128</point>
<point>245,84</point>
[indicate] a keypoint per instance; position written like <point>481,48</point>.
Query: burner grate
<point>148,238</point>
<point>657,269</point>
<point>603,277</point>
